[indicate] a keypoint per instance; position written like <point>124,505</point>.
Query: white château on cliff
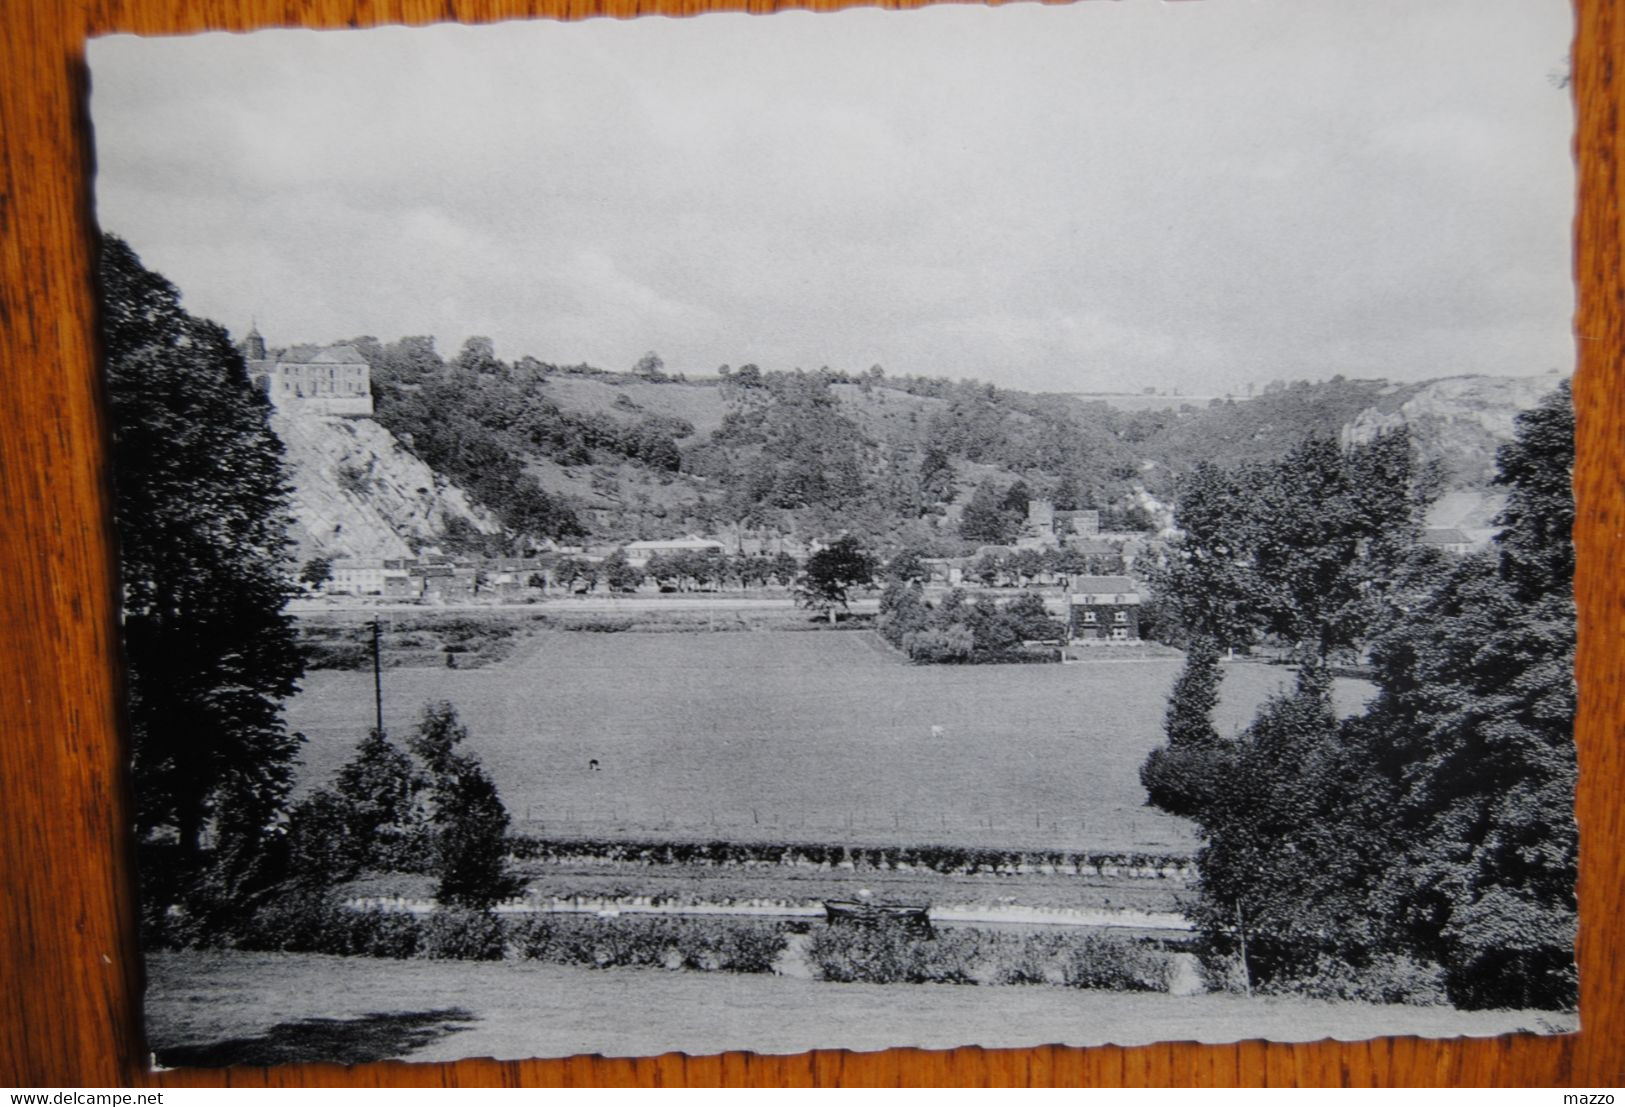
<point>312,380</point>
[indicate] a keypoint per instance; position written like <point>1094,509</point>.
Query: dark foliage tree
<point>427,808</point>
<point>372,817</point>
<point>936,475</point>
<point>381,789</point>
<point>1439,824</point>
<point>1294,841</point>
<point>478,355</point>
<point>471,827</point>
<point>1184,776</point>
<point>1030,620</point>
<point>200,504</point>
<point>988,518</point>
<point>785,569</point>
<point>620,574</point>
<point>906,565</point>
<point>575,572</point>
<point>1477,712</point>
<point>316,572</point>
<point>831,573</point>
<point>1298,549</point>
<point>470,822</point>
<point>650,366</point>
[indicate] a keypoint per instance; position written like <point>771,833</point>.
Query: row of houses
<point>411,579</point>
<point>1098,607</point>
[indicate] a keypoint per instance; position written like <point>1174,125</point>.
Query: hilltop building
<point>312,380</point>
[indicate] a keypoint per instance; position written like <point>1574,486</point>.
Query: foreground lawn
<point>219,1008</point>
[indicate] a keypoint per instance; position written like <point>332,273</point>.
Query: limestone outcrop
<point>1460,421</point>
<point>357,493</point>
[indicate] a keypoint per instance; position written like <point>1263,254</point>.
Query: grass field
<point>213,1008</point>
<point>812,736</point>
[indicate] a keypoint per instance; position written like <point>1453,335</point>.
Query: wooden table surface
<point>69,966</point>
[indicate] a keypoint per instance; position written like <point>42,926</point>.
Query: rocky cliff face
<point>358,494</point>
<point>1459,422</point>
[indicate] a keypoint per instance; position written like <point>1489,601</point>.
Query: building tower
<point>254,345</point>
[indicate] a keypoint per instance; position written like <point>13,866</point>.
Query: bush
<point>336,655</point>
<point>1116,964</point>
<point>1030,959</point>
<point>890,955</point>
<point>730,947</point>
<point>1221,970</point>
<point>709,945</point>
<point>299,921</point>
<point>463,934</point>
<point>948,645</point>
<point>1383,979</point>
<point>378,933</point>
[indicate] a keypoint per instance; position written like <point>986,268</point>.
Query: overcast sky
<point>1091,197</point>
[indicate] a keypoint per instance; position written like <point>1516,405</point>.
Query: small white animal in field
<point>936,732</point>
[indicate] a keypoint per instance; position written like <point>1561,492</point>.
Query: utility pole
<point>377,676</point>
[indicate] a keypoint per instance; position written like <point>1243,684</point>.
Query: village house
<point>1045,528</point>
<point>1103,608</point>
<point>1448,539</point>
<point>639,554</point>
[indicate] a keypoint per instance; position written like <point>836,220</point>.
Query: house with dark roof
<point>1104,608</point>
<point>1448,539</point>
<point>314,380</point>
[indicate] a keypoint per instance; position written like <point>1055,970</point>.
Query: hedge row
<point>319,924</point>
<point>940,859</point>
<point>887,955</point>
<point>968,956</point>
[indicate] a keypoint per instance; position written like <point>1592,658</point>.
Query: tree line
<point>200,505</point>
<point>900,461</point>
<point>1430,838</point>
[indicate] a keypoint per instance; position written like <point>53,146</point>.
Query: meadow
<point>796,736</point>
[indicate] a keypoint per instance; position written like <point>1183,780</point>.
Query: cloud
<point>1174,195</point>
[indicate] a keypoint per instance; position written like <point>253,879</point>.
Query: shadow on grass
<point>374,1037</point>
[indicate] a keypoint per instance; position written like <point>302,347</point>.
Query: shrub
<point>732,946</point>
<point>890,955</point>
<point>947,645</point>
<point>710,945</point>
<point>336,655</point>
<point>378,933</point>
<point>299,921</point>
<point>1383,979</point>
<point>463,934</point>
<point>1221,970</point>
<point>1116,964</point>
<point>1029,959</point>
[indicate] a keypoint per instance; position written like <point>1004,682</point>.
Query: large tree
<point>831,572</point>
<point>1437,826</point>
<point>200,507</point>
<point>989,516</point>
<point>1477,715</point>
<point>1298,549</point>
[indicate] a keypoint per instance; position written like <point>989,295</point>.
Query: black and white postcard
<point>997,526</point>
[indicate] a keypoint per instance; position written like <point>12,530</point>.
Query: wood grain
<point>69,970</point>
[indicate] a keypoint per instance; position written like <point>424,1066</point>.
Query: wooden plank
<point>69,972</point>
